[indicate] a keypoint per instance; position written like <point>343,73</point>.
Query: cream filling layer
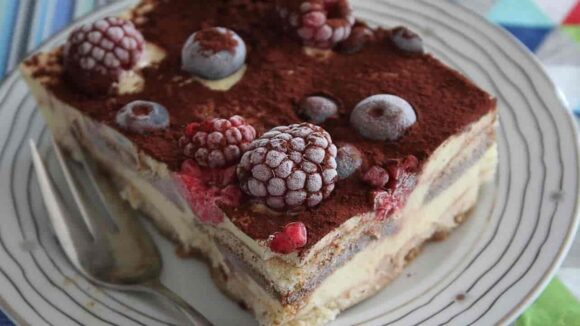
<point>225,84</point>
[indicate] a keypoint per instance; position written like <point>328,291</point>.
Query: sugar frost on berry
<point>217,143</point>
<point>318,23</point>
<point>104,48</point>
<point>290,167</point>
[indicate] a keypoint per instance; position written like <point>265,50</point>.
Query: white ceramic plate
<point>486,273</point>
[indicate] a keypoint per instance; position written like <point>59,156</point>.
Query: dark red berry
<point>96,54</point>
<point>281,243</point>
<point>358,38</point>
<point>217,143</point>
<point>377,177</point>
<point>402,181</point>
<point>318,23</point>
<point>297,233</point>
<point>206,190</point>
<point>294,236</point>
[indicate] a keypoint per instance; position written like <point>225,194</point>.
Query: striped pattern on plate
<point>24,24</point>
<point>485,273</point>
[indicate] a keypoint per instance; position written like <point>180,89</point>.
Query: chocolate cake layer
<point>279,74</point>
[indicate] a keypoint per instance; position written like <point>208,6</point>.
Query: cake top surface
<point>278,75</point>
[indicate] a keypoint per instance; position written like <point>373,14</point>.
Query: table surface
<point>549,28</point>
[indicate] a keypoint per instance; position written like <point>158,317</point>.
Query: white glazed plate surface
<point>485,273</point>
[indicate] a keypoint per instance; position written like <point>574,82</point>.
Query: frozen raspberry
<point>348,160</point>
<point>207,189</point>
<point>213,53</point>
<point>317,108</point>
<point>293,236</point>
<point>398,169</point>
<point>407,40</point>
<point>96,54</point>
<point>383,117</point>
<point>290,167</point>
<point>318,23</point>
<point>216,143</point>
<point>402,180</point>
<point>142,117</point>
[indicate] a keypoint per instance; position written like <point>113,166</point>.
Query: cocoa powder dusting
<point>142,110</point>
<point>214,41</point>
<point>278,76</point>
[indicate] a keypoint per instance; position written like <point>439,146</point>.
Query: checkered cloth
<point>549,28</point>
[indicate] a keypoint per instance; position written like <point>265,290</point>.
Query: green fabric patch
<point>573,30</point>
<point>555,307</point>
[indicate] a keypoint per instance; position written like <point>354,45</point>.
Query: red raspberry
<point>290,167</point>
<point>96,54</point>
<point>297,233</point>
<point>293,236</point>
<point>217,143</point>
<point>206,190</point>
<point>402,179</point>
<point>399,170</point>
<point>319,23</point>
<point>281,243</point>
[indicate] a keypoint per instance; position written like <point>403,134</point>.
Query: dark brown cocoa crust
<point>279,75</point>
<point>214,41</point>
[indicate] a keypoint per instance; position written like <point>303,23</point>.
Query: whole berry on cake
<point>294,236</point>
<point>383,117</point>
<point>213,53</point>
<point>317,109</point>
<point>392,184</point>
<point>142,117</point>
<point>318,23</point>
<point>348,160</point>
<point>217,143</point>
<point>96,54</point>
<point>290,167</point>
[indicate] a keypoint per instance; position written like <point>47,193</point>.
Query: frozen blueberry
<point>142,117</point>
<point>213,53</point>
<point>358,38</point>
<point>407,40</point>
<point>348,160</point>
<point>383,117</point>
<point>317,108</point>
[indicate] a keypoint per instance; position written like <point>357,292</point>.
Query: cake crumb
<point>440,236</point>
<point>460,297</point>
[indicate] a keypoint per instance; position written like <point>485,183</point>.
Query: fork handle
<point>194,316</point>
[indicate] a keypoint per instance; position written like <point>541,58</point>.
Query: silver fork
<point>107,245</point>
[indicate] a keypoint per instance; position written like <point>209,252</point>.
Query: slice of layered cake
<point>306,156</point>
